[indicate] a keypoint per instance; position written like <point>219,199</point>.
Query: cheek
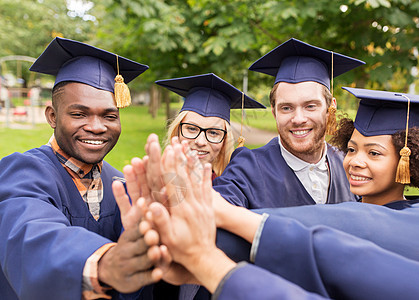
<point>216,149</point>
<point>346,161</point>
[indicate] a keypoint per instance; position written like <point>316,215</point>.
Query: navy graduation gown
<point>46,229</point>
<point>335,264</point>
<point>261,178</point>
<point>249,282</point>
<point>392,229</point>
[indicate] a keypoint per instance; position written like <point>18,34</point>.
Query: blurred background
<point>188,37</point>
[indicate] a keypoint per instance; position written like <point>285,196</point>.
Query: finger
<point>166,259</point>
<point>142,205</point>
<point>174,140</point>
<point>167,164</point>
<point>161,220</point>
<point>182,172</point>
<point>154,254</point>
<point>131,183</point>
<point>151,238</point>
<point>145,226</point>
<point>207,185</point>
<point>140,173</point>
<point>121,197</point>
<point>194,167</point>
<point>156,274</point>
<point>154,168</point>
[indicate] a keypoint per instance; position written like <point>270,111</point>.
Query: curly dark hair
<point>346,128</point>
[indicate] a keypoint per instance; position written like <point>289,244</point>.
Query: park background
<point>189,37</point>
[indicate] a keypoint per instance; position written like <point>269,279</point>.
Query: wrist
<point>211,267</point>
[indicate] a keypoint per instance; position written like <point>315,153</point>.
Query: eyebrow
<point>84,107</point>
<point>305,102</point>
<point>369,144</point>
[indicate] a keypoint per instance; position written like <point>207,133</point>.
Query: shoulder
<point>269,148</point>
<point>38,157</point>
<point>333,152</point>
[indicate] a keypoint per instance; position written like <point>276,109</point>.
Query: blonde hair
<point>223,158</point>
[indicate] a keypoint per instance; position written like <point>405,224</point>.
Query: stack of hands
<point>170,226</point>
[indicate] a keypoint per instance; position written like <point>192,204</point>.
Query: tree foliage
<point>27,26</point>
<point>180,38</point>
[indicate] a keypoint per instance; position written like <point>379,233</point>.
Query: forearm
<point>237,220</point>
<point>211,268</point>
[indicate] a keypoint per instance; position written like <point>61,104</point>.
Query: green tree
<point>27,26</point>
<point>179,38</point>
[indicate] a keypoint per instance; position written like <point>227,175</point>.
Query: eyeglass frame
<point>202,130</point>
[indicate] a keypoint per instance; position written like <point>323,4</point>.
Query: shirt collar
<point>298,164</point>
<point>78,167</point>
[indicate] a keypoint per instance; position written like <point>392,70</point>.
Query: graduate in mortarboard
<point>60,225</point>
<point>204,119</point>
<point>381,146</point>
<point>298,167</point>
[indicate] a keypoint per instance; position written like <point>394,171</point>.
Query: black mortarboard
<point>71,60</point>
<point>295,61</point>
<point>209,95</point>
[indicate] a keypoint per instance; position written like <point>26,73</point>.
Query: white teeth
<point>360,178</point>
<point>300,132</point>
<point>202,152</point>
<point>92,142</point>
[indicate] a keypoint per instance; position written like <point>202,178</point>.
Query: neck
<point>382,199</point>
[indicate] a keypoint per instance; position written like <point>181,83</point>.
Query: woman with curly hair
<point>204,120</point>
<point>378,149</point>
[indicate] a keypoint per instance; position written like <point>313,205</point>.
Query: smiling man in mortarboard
<point>60,225</point>
<point>298,167</point>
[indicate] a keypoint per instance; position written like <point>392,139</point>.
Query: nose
<point>201,140</point>
<point>299,116</point>
<point>357,161</point>
<point>95,125</point>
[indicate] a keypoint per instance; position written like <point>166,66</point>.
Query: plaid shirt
<point>86,177</point>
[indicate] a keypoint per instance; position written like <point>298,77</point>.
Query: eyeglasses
<point>213,135</point>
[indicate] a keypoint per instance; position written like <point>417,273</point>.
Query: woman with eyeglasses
<point>204,120</point>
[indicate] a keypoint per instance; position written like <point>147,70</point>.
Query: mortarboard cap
<point>295,61</point>
<point>209,95</point>
<point>382,112</point>
<point>71,60</point>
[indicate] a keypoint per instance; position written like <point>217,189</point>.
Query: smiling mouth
<point>200,153</point>
<point>92,142</point>
<point>360,178</point>
<point>300,132</point>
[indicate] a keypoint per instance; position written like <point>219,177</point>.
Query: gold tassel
<point>331,121</point>
<point>240,141</point>
<point>403,168</point>
<point>121,90</point>
<point>241,138</point>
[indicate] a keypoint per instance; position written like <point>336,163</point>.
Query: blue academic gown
<point>261,178</point>
<point>324,261</point>
<point>307,254</point>
<point>46,230</point>
<point>392,227</point>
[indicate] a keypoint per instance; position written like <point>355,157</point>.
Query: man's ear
<point>51,116</point>
<point>273,111</point>
<point>334,103</point>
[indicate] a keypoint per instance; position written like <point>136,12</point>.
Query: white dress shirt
<point>314,177</point>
